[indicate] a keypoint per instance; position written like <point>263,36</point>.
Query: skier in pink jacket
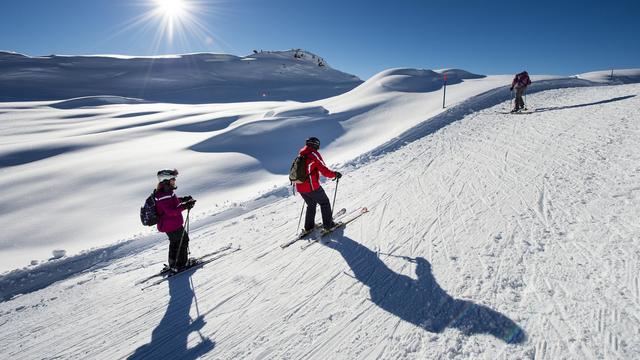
<point>170,220</point>
<point>520,83</point>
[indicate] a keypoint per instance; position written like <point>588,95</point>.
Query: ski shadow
<point>422,302</point>
<point>169,340</point>
<point>583,105</point>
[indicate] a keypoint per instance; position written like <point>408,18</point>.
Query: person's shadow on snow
<point>421,302</point>
<point>169,340</point>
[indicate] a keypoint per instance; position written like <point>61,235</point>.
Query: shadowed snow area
<point>36,154</point>
<point>263,140</point>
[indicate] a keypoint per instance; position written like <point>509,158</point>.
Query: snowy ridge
<point>191,78</point>
<point>410,81</point>
<point>617,76</point>
<point>91,101</point>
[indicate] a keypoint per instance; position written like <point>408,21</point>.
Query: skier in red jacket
<point>170,221</point>
<point>311,191</point>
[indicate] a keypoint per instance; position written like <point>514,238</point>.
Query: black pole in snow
<point>444,93</point>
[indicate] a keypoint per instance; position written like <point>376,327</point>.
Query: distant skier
<point>311,191</point>
<point>520,82</point>
<point>170,221</point>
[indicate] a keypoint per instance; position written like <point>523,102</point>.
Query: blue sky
<point>358,37</point>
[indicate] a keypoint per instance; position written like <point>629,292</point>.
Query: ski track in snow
<point>525,223</point>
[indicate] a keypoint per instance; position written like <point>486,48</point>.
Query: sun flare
<point>177,23</point>
<point>172,8</point>
<point>174,15</point>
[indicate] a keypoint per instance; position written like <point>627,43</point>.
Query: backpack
<point>298,172</point>
<point>148,212</point>
<point>523,79</point>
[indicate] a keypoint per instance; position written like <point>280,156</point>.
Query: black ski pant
<point>314,198</point>
<point>178,250</point>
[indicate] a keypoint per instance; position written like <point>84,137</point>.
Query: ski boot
<point>191,262</point>
<point>304,233</point>
<point>165,270</point>
<point>330,228</point>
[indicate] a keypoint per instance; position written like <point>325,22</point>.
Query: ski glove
<point>189,204</point>
<point>338,175</point>
<point>186,198</point>
<point>511,89</point>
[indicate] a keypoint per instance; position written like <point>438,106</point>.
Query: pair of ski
<point>194,263</point>
<point>298,237</point>
<point>340,220</point>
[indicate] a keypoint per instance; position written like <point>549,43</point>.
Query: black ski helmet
<point>314,142</point>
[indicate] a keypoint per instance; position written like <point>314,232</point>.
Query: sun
<point>177,23</point>
<point>172,8</point>
<point>174,15</point>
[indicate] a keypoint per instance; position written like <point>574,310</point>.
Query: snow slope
<point>490,236</point>
<point>76,171</point>
<point>193,78</point>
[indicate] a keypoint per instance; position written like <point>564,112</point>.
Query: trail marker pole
<point>444,93</point>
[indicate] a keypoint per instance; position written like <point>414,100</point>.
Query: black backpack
<point>298,172</point>
<point>148,212</point>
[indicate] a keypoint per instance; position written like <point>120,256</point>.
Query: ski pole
<point>184,229</point>
<point>300,218</point>
<point>187,231</point>
<point>334,197</point>
<point>513,96</point>
<point>525,98</point>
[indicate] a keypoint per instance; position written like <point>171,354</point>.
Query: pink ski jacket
<point>169,211</point>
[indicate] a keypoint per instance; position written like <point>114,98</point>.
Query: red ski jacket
<point>169,211</point>
<point>315,166</point>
